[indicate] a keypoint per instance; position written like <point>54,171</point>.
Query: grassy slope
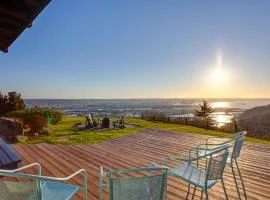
<point>65,133</point>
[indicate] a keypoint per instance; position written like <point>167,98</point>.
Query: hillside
<point>258,116</point>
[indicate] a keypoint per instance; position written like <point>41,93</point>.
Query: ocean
<point>225,109</point>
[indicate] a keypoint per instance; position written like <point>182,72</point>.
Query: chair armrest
<point>153,164</point>
<point>229,138</point>
<point>210,147</point>
<point>225,138</point>
<point>49,178</point>
<point>81,171</point>
<point>203,151</point>
<point>23,168</point>
<point>13,173</point>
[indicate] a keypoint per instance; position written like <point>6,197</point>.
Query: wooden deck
<point>138,150</point>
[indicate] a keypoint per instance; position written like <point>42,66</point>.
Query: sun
<point>219,75</point>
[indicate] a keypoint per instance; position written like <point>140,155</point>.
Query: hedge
<point>52,116</point>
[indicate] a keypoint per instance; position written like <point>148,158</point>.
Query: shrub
<point>36,123</point>
<point>155,116</point>
<point>55,115</point>
<point>51,116</point>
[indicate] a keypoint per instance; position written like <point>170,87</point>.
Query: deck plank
<point>139,150</point>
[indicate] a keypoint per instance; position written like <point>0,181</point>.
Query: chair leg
<point>188,191</point>
<point>85,185</point>
<point>201,194</point>
<point>39,193</point>
<point>100,193</point>
<point>224,188</point>
<point>100,189</point>
<point>241,179</point>
<point>235,181</point>
<point>194,192</point>
<point>165,190</point>
<point>206,194</point>
<point>86,193</point>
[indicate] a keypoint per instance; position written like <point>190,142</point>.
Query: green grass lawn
<point>65,133</point>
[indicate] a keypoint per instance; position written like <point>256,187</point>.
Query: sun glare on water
<point>222,118</point>
<point>220,104</point>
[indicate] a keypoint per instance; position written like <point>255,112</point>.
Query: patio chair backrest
<point>149,184</point>
<point>36,186</point>
<point>17,190</point>
<point>234,141</point>
<point>90,117</point>
<point>217,163</point>
<point>122,118</point>
<point>20,190</point>
<point>237,147</point>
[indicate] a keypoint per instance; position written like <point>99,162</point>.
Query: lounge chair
<point>198,176</point>
<point>235,142</point>
<point>119,123</point>
<point>90,122</point>
<point>135,184</point>
<point>42,188</point>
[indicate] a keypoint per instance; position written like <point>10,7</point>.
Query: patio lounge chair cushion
<point>50,190</point>
<point>8,156</point>
<point>192,174</point>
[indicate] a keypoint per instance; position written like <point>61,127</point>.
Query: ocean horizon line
<point>161,98</point>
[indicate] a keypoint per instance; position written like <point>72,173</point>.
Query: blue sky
<point>142,49</point>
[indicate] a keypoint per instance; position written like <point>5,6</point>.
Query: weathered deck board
<point>139,150</point>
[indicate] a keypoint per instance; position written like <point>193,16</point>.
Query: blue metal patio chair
<point>42,188</point>
<point>198,176</point>
<point>235,142</point>
<point>135,184</point>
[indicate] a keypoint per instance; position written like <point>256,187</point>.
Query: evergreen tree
<point>205,110</point>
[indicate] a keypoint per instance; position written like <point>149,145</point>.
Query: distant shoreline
<point>209,99</point>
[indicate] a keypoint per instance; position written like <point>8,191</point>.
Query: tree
<point>3,104</point>
<point>205,110</point>
<point>10,102</point>
<point>15,102</point>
